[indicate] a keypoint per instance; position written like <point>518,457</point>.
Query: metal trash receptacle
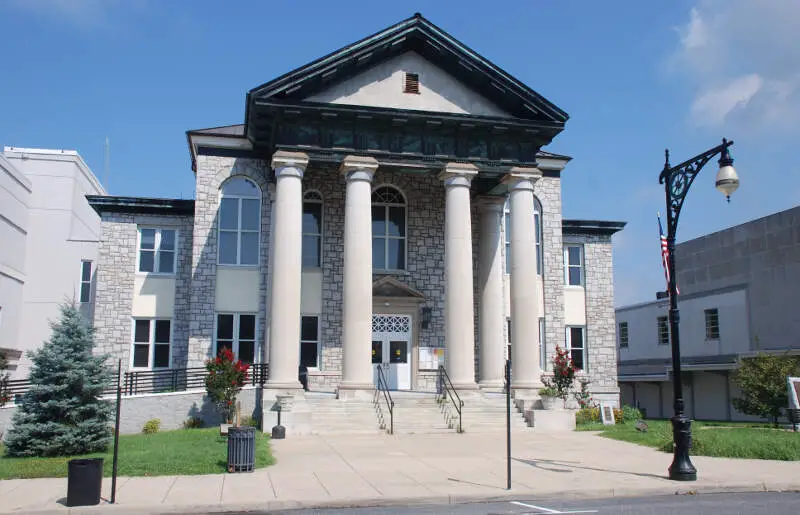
<point>84,481</point>
<point>241,449</point>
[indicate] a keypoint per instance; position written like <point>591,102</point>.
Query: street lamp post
<point>676,181</point>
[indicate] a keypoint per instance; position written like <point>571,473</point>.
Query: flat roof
<point>140,205</point>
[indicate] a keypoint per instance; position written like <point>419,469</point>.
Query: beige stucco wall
<point>153,296</point>
<point>382,86</point>
<point>574,306</point>
<point>237,289</point>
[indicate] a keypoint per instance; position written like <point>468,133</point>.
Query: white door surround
<point>391,349</point>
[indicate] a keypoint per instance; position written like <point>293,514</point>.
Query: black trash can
<point>241,449</point>
<point>84,481</point>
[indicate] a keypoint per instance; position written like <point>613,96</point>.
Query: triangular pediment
<point>388,286</point>
<point>453,78</point>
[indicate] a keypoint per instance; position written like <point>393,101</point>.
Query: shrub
<point>628,414</point>
<point>62,413</point>
<point>224,381</point>
<point>151,426</point>
<point>548,391</point>
<point>193,423</point>
<point>587,416</point>
<point>762,380</point>
<point>250,422</point>
<point>583,397</point>
<point>563,375</point>
<point>5,393</point>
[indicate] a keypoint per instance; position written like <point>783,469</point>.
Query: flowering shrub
<point>583,397</point>
<point>224,381</point>
<point>563,374</point>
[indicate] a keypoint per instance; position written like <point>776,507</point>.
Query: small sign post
<point>793,384</point>
<point>607,414</point>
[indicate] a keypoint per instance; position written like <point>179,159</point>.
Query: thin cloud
<point>79,13</point>
<point>741,59</point>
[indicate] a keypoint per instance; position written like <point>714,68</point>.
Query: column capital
<point>359,168</point>
<point>458,174</point>
<point>490,203</point>
<point>522,178</point>
<point>289,163</point>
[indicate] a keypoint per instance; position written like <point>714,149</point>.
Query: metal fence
<point>154,381</point>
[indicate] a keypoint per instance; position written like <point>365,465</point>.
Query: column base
<point>283,385</point>
<point>355,391</point>
<point>492,385</point>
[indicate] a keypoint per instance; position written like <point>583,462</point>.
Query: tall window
<point>388,229</point>
<point>151,343</point>
<point>623,335</point>
<point>712,324</point>
<point>157,250</point>
<point>312,230</point>
<point>576,346</point>
<point>237,332</point>
<point>663,331</point>
<point>309,341</point>
<point>537,222</point>
<point>573,265</point>
<point>86,281</point>
<point>239,222</point>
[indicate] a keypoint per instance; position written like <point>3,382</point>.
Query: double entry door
<point>391,350</point>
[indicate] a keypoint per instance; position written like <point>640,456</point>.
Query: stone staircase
<point>414,413</point>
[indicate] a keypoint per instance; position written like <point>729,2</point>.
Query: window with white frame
<point>312,230</point>
<point>663,331</point>
<point>309,341</point>
<point>152,338</point>
<point>623,335</point>
<point>388,229</point>
<point>239,222</point>
<point>573,265</point>
<point>237,332</point>
<point>576,346</point>
<point>157,249</point>
<point>86,281</point>
<point>712,324</point>
<point>537,222</point>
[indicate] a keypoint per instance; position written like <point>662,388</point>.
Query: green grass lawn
<point>728,440</point>
<point>182,452</point>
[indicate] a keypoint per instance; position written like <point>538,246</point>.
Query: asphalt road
<point>706,504</point>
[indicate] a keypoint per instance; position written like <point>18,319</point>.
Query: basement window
<point>411,84</point>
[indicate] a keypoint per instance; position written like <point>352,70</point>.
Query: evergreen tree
<point>5,394</point>
<point>62,413</point>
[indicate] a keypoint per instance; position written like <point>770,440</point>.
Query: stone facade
<point>116,272</point>
<point>211,172</point>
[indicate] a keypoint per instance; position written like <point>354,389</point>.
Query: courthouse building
<point>386,207</point>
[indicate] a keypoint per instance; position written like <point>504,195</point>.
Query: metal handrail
<point>383,387</point>
<point>449,389</point>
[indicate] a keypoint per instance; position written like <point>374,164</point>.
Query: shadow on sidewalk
<point>545,464</point>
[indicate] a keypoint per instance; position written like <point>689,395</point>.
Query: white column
<point>286,240</point>
<point>357,294</point>
<point>524,288</point>
<point>490,291</point>
<point>459,315</point>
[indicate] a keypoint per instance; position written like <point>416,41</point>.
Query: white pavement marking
<point>548,510</point>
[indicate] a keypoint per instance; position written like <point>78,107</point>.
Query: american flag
<point>665,254</point>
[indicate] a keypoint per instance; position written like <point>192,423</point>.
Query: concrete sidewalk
<point>415,469</point>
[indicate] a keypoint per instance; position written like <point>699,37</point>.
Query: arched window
<point>388,229</point>
<point>537,221</point>
<point>239,222</point>
<point>312,229</point>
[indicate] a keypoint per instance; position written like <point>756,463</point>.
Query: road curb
<point>525,495</point>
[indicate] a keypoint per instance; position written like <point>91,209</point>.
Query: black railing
<point>383,391</point>
<point>447,390</point>
<point>154,381</point>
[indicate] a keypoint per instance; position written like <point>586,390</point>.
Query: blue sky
<point>634,76</point>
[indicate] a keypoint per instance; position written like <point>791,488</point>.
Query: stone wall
<point>212,171</point>
<point>548,191</point>
<point>116,269</point>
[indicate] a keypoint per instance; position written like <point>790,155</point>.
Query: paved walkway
<point>386,470</point>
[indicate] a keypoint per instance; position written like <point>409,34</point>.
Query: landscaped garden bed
<point>181,452</point>
<point>724,440</point>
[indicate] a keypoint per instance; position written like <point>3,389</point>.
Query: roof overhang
<point>591,227</point>
<point>139,205</point>
<point>228,137</point>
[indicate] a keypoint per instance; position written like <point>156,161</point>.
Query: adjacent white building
<point>52,235</point>
<point>738,296</point>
